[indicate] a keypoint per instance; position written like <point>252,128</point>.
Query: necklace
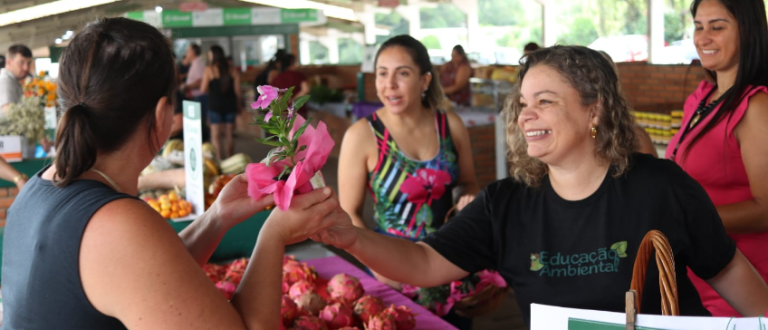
<point>111,182</point>
<point>701,111</point>
<point>704,109</point>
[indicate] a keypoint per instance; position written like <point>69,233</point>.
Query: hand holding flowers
<point>299,152</point>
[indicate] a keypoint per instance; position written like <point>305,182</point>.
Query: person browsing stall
<point>454,77</point>
<point>222,84</point>
<point>722,141</point>
<point>290,77</point>
<point>16,69</point>
<point>81,252</point>
<point>194,79</point>
<point>565,228</point>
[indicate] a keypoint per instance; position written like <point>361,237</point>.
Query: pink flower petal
<point>268,116</point>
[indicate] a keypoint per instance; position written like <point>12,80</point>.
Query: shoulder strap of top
<point>443,128</point>
<point>377,126</point>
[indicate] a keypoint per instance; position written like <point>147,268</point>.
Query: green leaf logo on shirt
<point>621,248</point>
<point>536,264</point>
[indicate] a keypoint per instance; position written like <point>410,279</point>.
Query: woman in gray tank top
<point>80,252</point>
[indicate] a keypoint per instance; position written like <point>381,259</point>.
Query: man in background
<point>191,87</point>
<point>16,69</point>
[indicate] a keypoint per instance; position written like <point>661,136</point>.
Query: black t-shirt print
<point>580,254</point>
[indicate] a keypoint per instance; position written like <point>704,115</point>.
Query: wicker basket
<point>665,261</point>
<point>482,302</point>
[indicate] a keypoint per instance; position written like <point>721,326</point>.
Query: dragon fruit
<point>215,272</point>
<point>346,287</point>
<point>382,321</point>
<point>367,307</point>
<point>322,288</point>
<point>301,287</point>
<point>309,322</point>
<point>294,271</point>
<point>348,328</point>
<point>403,317</point>
<point>236,270</point>
<point>289,310</point>
<point>337,315</point>
<point>227,288</point>
<point>310,302</point>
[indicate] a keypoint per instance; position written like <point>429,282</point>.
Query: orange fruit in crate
<point>170,206</point>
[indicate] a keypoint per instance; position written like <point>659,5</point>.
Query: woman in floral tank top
<point>409,155</point>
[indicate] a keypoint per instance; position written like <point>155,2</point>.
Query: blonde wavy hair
<point>595,79</point>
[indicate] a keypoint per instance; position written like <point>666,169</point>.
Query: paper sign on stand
<point>11,148</point>
<point>193,159</point>
<point>545,317</point>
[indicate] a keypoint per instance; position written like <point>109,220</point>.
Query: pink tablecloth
<point>330,266</point>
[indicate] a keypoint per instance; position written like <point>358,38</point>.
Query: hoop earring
<point>593,132</point>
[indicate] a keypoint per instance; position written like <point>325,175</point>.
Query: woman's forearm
<point>357,219</point>
<point>742,287</point>
<point>744,217</point>
<point>394,258</point>
<point>7,172</point>
<point>257,298</point>
<point>202,237</point>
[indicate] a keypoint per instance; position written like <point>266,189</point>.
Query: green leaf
<point>268,142</point>
<point>299,102</point>
<point>285,173</point>
<point>621,248</point>
<point>271,156</point>
<point>303,148</point>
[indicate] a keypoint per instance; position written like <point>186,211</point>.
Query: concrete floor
<point>507,317</point>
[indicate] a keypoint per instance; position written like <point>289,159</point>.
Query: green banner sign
<point>229,17</point>
<point>237,16</point>
<point>298,15</point>
<point>136,15</point>
<point>175,18</point>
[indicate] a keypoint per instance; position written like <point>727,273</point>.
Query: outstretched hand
<point>234,205</point>
<point>340,233</point>
<point>308,214</point>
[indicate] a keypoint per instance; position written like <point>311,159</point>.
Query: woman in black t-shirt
<point>565,229</point>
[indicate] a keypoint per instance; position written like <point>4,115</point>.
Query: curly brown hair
<point>594,78</point>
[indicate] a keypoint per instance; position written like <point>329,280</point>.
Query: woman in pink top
<point>724,140</point>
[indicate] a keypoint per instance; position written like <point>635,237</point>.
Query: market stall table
<point>330,266</point>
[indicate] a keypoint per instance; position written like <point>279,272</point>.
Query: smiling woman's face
<point>555,123</point>
<point>716,36</point>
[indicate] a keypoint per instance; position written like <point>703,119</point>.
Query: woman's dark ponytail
<point>75,145</point>
<point>111,77</point>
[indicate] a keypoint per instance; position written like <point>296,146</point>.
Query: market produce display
<point>170,205</point>
<point>171,160</point>
<point>313,303</point>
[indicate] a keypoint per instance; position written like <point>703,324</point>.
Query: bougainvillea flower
<point>266,95</point>
<point>262,178</point>
<point>426,185</point>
